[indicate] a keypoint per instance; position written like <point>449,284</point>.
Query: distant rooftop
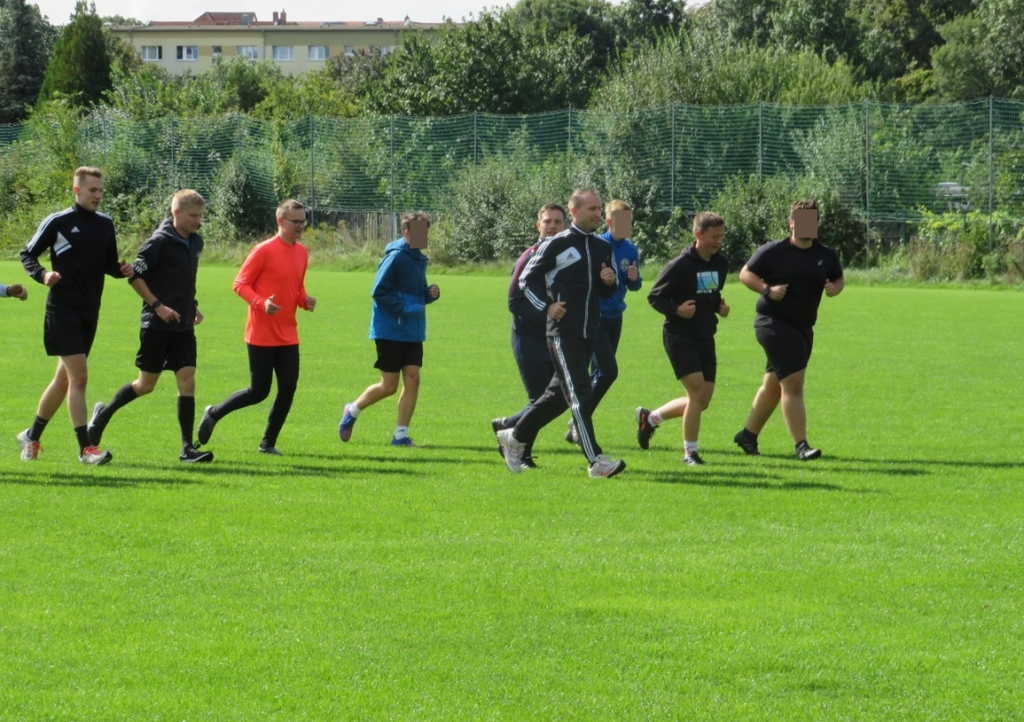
<point>249,19</point>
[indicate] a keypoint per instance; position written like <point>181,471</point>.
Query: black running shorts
<point>163,350</point>
<point>393,356</point>
<point>67,335</point>
<point>787,347</point>
<point>690,356</point>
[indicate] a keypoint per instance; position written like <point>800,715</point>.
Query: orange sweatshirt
<point>276,269</point>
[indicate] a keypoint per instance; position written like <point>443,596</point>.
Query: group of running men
<point>567,300</point>
<point>566,297</point>
<point>83,249</point>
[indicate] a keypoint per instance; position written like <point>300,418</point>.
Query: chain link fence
<point>890,164</point>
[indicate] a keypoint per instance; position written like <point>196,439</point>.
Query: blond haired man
<point>83,249</point>
<point>165,279</point>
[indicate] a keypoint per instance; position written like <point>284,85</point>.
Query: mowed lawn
<point>364,582</point>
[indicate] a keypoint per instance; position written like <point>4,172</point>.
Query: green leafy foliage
<point>26,42</point>
<point>80,67</point>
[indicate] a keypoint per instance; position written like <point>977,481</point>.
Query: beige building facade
<point>296,47</point>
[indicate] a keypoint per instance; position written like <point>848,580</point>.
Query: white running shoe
<point>604,467</point>
<point>512,450</point>
<point>29,449</point>
<point>95,456</point>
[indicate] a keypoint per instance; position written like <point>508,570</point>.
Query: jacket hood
<point>166,231</point>
<point>402,246</point>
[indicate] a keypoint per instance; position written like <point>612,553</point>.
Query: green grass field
<point>362,582</point>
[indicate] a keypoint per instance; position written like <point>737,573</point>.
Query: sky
<point>426,11</point>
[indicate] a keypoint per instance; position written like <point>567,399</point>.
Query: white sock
<point>354,410</point>
<point>401,432</point>
<point>690,446</point>
<point>655,418</point>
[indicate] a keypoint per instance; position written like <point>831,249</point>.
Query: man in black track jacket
<point>83,248</point>
<point>567,278</point>
<point>165,279</point>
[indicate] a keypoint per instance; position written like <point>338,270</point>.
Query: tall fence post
<point>476,139</point>
<point>312,166</point>
<point>672,166</point>
<point>394,220</point>
<point>867,172</point>
<point>174,169</point>
<point>569,149</point>
<point>760,140</point>
<point>991,172</point>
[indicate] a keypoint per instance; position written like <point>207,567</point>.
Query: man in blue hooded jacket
<point>398,327</point>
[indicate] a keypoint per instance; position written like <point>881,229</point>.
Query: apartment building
<point>295,46</point>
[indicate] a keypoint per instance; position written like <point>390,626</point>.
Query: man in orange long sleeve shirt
<point>272,282</point>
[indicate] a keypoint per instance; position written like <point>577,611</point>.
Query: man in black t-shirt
<point>689,294</point>
<point>790,276</point>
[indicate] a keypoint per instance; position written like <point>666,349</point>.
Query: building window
<point>284,52</point>
<point>249,52</point>
<point>217,51</point>
<point>188,52</point>
<point>350,50</point>
<point>152,52</point>
<point>319,52</point>
<point>386,50</point>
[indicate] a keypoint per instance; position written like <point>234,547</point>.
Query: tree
<point>960,68</point>
<point>80,66</point>
<point>490,65</point>
<point>549,19</point>
<point>822,27</point>
<point>357,75</point>
<point>644,21</point>
<point>26,41</point>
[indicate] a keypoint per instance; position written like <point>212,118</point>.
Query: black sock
<point>749,434</point>
<point>124,396</point>
<point>83,439</point>
<point>35,432</point>
<point>187,419</point>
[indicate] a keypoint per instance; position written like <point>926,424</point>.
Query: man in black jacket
<point>566,279</point>
<point>83,248</point>
<point>689,294</point>
<point>165,278</point>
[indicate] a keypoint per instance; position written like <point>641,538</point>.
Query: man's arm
<point>533,282</point>
<point>387,294</point>
<point>517,302</point>
<point>41,241</point>
<point>247,275</point>
<point>668,280</point>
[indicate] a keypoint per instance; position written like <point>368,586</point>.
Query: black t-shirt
<point>689,277</point>
<point>804,269</point>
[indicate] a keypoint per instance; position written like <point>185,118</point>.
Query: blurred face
<point>587,215</point>
<point>188,219</point>
<point>551,223</point>
<point>710,241</point>
<point>89,193</point>
<point>291,225</point>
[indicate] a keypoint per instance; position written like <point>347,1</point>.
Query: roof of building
<point>219,20</point>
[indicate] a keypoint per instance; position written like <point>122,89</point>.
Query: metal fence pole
<point>569,150</point>
<point>476,140</point>
<point>867,172</point>
<point>312,165</point>
<point>991,171</point>
<point>174,169</point>
<point>672,166</point>
<point>394,220</point>
<point>760,139</point>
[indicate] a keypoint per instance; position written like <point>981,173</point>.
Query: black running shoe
<point>644,430</point>
<point>804,452</point>
<point>192,455</point>
<point>693,459</point>
<point>529,463</point>
<point>96,425</point>
<point>747,442</point>
<point>573,434</point>
<point>272,450</point>
<point>206,426</point>
<point>496,426</point>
